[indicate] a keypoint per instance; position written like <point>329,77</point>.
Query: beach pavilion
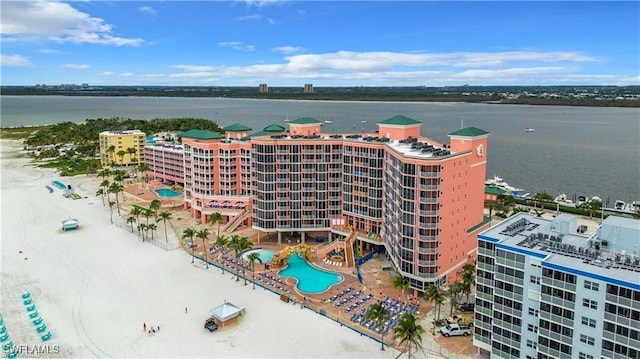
<point>70,224</point>
<point>226,313</point>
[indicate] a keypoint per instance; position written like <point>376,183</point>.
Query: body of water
<point>310,279</point>
<point>574,150</point>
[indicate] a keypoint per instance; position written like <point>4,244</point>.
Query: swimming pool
<point>166,192</point>
<point>265,255</point>
<point>310,279</point>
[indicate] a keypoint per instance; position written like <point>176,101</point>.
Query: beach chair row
<point>35,318</point>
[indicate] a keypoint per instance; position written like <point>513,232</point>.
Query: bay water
<point>574,150</point>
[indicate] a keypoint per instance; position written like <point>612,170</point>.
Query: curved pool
<point>265,255</point>
<point>167,192</point>
<point>310,279</point>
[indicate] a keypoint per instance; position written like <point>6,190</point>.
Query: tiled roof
<point>236,127</point>
<point>304,121</point>
<point>200,135</point>
<point>399,120</point>
<point>469,132</point>
<point>257,134</point>
<point>274,128</point>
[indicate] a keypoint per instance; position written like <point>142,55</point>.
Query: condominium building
<point>418,200</point>
<point>121,147</point>
<point>545,291</point>
<point>165,162</point>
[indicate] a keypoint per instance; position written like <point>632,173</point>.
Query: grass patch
<point>16,133</point>
<point>72,167</point>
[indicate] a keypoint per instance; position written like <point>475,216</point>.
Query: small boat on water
<point>623,207</point>
<point>327,121</point>
<point>499,182</point>
<point>528,129</point>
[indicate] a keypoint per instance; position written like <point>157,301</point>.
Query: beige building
<point>121,147</point>
<point>308,88</point>
<point>263,88</point>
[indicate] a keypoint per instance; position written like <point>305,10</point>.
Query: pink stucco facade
<point>420,200</point>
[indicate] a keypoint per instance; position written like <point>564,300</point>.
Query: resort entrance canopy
<point>226,312</point>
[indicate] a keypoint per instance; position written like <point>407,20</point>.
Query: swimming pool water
<point>265,255</point>
<point>310,279</point>
<point>166,192</point>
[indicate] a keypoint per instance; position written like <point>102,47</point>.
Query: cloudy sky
<point>327,43</point>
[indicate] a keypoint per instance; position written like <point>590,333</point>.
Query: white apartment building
<point>545,291</point>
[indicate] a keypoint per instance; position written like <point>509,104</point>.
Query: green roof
<point>494,190</point>
<point>304,121</point>
<point>469,132</point>
<point>274,128</point>
<point>399,120</point>
<point>236,127</point>
<point>200,135</point>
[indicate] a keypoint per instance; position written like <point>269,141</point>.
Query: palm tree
<point>155,207</point>
<point>203,234</point>
<point>131,220</point>
<point>401,283</point>
<point>131,151</point>
<point>121,154</point>
<point>455,288</point>
<point>253,258</point>
<point>239,244</point>
<point>136,211</point>
<point>435,295</point>
<point>189,233</point>
<point>468,274</point>
<point>222,242</point>
<point>142,228</point>
<point>111,204</point>
<point>116,187</point>
<point>216,218</point>
<point>378,314</point>
<point>110,150</point>
<point>105,188</point>
<point>100,192</point>
<point>409,332</point>
<point>147,213</point>
<point>152,227</point>
<point>104,173</point>
<point>142,168</point>
<point>164,216</point>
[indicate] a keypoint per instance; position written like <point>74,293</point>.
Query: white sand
<point>95,287</point>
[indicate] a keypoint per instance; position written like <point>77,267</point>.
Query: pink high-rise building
<point>419,201</point>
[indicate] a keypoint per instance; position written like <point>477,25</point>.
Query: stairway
<point>236,221</point>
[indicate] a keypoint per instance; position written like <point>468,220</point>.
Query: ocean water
<point>574,150</point>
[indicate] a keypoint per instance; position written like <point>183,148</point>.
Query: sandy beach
<point>96,286</point>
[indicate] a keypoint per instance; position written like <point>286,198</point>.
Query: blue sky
<point>326,43</point>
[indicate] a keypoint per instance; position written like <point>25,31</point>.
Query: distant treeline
<point>562,95</point>
<point>87,132</point>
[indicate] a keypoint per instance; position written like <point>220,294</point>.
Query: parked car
<point>455,329</point>
<point>211,325</point>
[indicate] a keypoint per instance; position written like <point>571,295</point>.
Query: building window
<point>535,280</point>
<point>533,312</point>
<point>532,344</point>
<point>582,355</point>
<point>591,285</point>
<point>590,303</point>
<point>587,339</point>
<point>588,321</point>
<point>532,328</point>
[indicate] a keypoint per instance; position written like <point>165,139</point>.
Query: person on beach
<point>185,310</point>
<point>144,327</point>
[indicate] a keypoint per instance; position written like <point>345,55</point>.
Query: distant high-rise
<point>308,88</point>
<point>263,88</point>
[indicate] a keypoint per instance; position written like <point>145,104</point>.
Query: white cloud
<point>108,73</point>
<point>397,68</point>
<point>263,3</point>
<point>148,10</point>
<point>127,74</point>
<point>14,61</point>
<point>288,49</point>
<point>237,45</point>
<point>49,51</point>
<point>56,21</point>
<point>76,66</point>
<point>250,17</point>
